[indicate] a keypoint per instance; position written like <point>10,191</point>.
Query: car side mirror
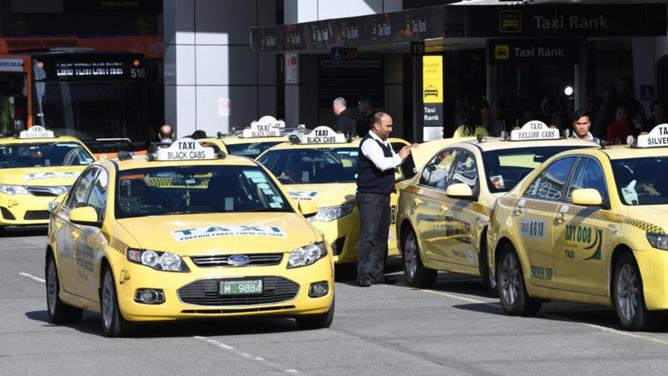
<point>85,216</point>
<point>460,191</point>
<point>586,197</point>
<point>56,202</point>
<point>307,208</point>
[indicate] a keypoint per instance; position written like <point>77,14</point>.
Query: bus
<point>102,98</point>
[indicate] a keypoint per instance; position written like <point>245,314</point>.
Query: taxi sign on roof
<point>534,130</point>
<point>36,131</point>
<point>267,126</point>
<point>323,135</point>
<point>185,149</point>
<point>658,136</point>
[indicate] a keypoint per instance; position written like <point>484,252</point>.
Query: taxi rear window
<point>642,181</point>
<point>195,190</point>
<point>43,154</point>
<point>312,166</point>
<point>505,168</point>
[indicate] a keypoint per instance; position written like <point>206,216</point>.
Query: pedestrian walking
<point>345,120</point>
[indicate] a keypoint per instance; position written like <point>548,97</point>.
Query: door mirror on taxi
<point>86,216</point>
<point>460,191</point>
<point>57,201</point>
<point>308,208</point>
<point>586,197</point>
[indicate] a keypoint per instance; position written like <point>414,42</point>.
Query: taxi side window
<point>589,174</point>
<point>98,194</point>
<point>435,173</point>
<point>549,185</point>
<point>79,191</point>
<point>465,170</point>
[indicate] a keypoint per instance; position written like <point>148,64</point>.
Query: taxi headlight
<point>331,213</point>
<point>166,261</point>
<point>307,255</point>
<point>659,241</point>
<point>13,189</point>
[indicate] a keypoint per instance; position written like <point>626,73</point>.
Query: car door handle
<point>444,209</point>
<point>559,219</point>
<point>417,202</point>
<point>517,211</point>
<point>75,235</point>
<point>58,224</point>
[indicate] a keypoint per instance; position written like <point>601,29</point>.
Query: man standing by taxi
<point>345,121</point>
<point>375,183</point>
<point>581,125</point>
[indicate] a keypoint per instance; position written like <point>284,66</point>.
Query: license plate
<point>244,287</point>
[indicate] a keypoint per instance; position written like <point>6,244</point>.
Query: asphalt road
<point>451,329</point>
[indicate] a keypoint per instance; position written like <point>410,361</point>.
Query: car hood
<point>657,215</point>
<point>42,176</point>
<point>201,234</point>
<point>323,194</point>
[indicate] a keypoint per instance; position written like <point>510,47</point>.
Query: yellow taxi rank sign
<point>323,135</point>
<point>534,130</point>
<point>658,136</point>
<point>36,131</point>
<point>266,126</point>
<point>185,149</point>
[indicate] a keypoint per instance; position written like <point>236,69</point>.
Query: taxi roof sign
<point>323,135</point>
<point>657,137</point>
<point>534,130</point>
<point>37,131</point>
<point>185,149</point>
<point>266,126</point>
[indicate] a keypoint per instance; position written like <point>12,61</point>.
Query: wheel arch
<point>619,250</point>
<point>405,226</point>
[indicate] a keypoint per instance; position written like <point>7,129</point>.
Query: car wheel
<point>511,288</point>
<point>417,275</point>
<point>113,322</point>
<point>321,321</point>
<point>628,297</point>
<point>59,312</point>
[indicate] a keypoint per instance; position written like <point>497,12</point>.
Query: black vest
<point>370,179</point>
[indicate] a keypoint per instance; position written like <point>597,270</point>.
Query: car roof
<point>354,143</point>
<point>488,144</point>
<point>16,140</point>
<point>237,140</point>
<point>142,162</point>
<point>626,151</point>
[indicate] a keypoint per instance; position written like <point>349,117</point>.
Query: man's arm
<point>374,152</point>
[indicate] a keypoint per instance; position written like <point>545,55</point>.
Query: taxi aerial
<point>184,233</point>
<point>588,226</point>
<point>444,210</point>
<point>35,168</point>
<point>322,167</point>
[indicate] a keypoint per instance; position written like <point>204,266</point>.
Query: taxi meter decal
<point>303,195</point>
<point>232,230</point>
<point>51,175</point>
<point>36,131</point>
<point>185,149</point>
<point>658,136</point>
<point>534,130</point>
<point>323,135</point>
<point>266,126</point>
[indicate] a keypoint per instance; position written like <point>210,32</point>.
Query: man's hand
<point>404,152</point>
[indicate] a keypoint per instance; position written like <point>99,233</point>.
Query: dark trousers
<point>374,211</point>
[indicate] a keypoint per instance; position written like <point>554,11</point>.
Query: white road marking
<point>629,334</point>
<point>246,355</point>
<point>458,297</point>
<point>33,277</point>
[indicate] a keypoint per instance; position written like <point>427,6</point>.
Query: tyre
<point>113,322</point>
<point>486,277</point>
<point>510,286</point>
<point>417,275</point>
<point>59,312</point>
<point>321,321</point>
<point>628,297</point>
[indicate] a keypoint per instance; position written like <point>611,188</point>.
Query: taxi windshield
<point>642,181</point>
<point>195,190</point>
<point>312,166</point>
<point>505,168</point>
<point>44,154</point>
<point>250,150</point>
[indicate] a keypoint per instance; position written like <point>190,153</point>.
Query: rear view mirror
<point>54,204</point>
<point>307,208</point>
<point>586,197</point>
<point>86,216</point>
<point>459,190</point>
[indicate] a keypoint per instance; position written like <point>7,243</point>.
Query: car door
<point>580,233</point>
<point>92,242</point>
<point>66,234</point>
<point>535,213</point>
<point>428,204</point>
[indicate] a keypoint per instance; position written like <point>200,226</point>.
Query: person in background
<point>472,126</point>
<point>166,134</point>
<point>494,126</point>
<point>345,121</point>
<point>620,128</point>
<point>365,117</point>
<point>198,134</point>
<point>659,115</point>
<point>581,125</point>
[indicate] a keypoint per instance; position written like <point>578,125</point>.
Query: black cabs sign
<point>185,149</point>
<point>323,135</point>
<point>36,131</point>
<point>266,126</point>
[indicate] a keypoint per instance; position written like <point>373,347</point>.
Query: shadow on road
<point>17,232</point>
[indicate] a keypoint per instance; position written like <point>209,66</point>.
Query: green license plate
<point>244,287</point>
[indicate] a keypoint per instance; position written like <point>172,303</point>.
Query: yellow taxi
<point>185,233</point>
<point>35,168</point>
<point>588,226</point>
<point>321,166</point>
<point>444,210</point>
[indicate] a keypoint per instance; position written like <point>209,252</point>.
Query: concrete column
<point>644,69</point>
<point>580,77</point>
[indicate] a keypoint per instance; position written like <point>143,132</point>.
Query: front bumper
<point>194,294</point>
<point>17,210</point>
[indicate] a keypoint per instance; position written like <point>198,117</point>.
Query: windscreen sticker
<point>497,181</point>
<point>220,231</point>
<point>303,195</point>
<point>533,228</point>
<point>630,194</point>
<point>51,175</point>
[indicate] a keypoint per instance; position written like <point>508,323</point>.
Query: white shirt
<point>374,152</point>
